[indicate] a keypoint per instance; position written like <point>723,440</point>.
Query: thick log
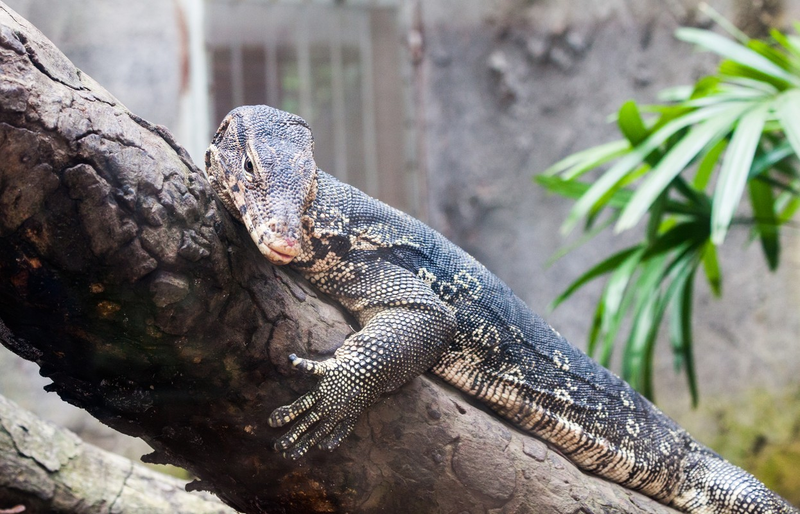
<point>128,284</point>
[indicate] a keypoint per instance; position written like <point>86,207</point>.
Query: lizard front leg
<point>406,328</point>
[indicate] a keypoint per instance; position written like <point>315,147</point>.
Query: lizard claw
<point>328,435</point>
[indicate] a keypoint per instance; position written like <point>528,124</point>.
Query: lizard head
<point>261,165</point>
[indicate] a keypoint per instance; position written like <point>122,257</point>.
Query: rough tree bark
<point>135,293</point>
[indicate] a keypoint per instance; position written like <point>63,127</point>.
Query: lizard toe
<point>335,438</point>
<point>309,366</point>
<point>288,413</point>
<point>291,437</point>
<point>311,439</point>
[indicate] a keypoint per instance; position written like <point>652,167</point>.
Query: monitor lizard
<point>424,304</point>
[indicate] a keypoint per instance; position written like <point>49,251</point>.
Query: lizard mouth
<point>278,249</point>
<point>280,252</point>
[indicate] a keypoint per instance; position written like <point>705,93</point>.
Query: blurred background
<point>447,109</point>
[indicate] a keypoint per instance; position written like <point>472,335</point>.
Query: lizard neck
<point>325,224</point>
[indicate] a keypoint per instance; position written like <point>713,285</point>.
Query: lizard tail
<point>715,486</point>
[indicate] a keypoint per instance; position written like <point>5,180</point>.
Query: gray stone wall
<point>134,49</point>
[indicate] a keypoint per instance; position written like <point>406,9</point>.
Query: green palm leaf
<point>735,168</point>
<point>736,52</point>
<point>787,110</point>
<point>628,163</point>
<point>705,133</point>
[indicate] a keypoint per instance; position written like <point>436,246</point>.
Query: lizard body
<point>426,305</point>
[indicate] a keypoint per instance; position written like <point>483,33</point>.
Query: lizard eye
<point>248,169</point>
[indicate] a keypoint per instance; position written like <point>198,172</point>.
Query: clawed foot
<point>331,408</point>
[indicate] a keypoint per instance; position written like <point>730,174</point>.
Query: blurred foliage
<point>683,167</point>
<point>761,433</point>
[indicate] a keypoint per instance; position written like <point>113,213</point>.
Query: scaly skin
<point>424,304</point>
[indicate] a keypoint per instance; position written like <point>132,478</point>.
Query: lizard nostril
<point>273,226</point>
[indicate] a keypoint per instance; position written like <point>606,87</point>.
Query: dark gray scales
<point>424,304</point>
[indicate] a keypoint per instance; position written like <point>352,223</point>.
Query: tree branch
<point>147,306</point>
<point>49,469</point>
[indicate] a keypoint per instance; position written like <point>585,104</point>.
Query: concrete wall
<point>134,49</point>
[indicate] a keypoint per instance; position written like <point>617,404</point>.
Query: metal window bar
<point>272,94</point>
<point>237,75</point>
<point>304,66</point>
<point>368,97</point>
<point>320,62</point>
<point>337,85</point>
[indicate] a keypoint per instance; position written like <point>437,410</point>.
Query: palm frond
<point>739,130</point>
